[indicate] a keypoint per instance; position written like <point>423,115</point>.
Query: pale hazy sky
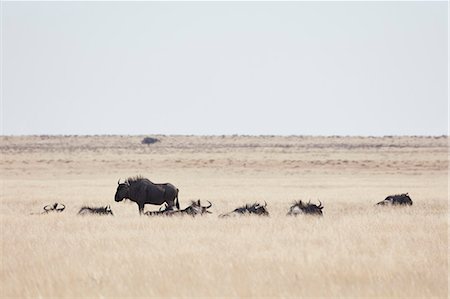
<point>317,68</point>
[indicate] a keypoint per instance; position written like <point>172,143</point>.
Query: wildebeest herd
<point>142,191</point>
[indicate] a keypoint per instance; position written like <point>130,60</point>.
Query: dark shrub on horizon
<point>149,140</point>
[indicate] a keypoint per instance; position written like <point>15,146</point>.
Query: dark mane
<point>194,203</point>
<point>247,206</point>
<point>298,203</point>
<point>94,208</point>
<point>400,195</point>
<point>244,207</point>
<point>302,204</point>
<point>136,179</point>
<point>106,210</point>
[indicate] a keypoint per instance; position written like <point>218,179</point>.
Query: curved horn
<point>210,205</point>
<point>118,182</point>
<point>60,209</point>
<point>320,205</point>
<point>265,204</point>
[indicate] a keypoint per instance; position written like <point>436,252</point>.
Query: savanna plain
<point>355,250</point>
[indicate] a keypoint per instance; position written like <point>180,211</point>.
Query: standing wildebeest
<point>99,211</point>
<point>193,210</point>
<point>305,208</point>
<point>398,199</point>
<point>143,191</point>
<point>248,209</point>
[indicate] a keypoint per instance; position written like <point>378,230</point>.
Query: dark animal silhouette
<point>300,207</point>
<point>398,199</point>
<point>98,211</point>
<point>142,191</point>
<point>249,209</point>
<point>193,210</point>
<point>149,140</point>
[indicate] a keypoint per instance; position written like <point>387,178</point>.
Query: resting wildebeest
<point>161,211</point>
<point>248,209</point>
<point>398,199</point>
<point>194,209</point>
<point>143,191</point>
<point>99,211</point>
<point>305,208</point>
<point>56,207</point>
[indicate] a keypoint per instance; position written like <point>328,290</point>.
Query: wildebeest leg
<point>141,208</point>
<point>170,204</point>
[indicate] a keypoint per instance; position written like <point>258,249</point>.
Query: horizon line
<point>223,135</point>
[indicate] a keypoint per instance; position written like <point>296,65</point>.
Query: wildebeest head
<point>196,208</point>
<point>56,207</point>
<point>258,209</point>
<point>255,208</point>
<point>398,199</point>
<point>300,207</point>
<point>122,191</point>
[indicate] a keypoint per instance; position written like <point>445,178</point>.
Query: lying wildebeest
<point>143,191</point>
<point>99,211</point>
<point>194,209</point>
<point>300,207</point>
<point>398,199</point>
<point>248,209</point>
<point>56,207</point>
<point>160,212</point>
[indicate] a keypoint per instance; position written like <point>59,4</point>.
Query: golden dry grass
<point>355,250</point>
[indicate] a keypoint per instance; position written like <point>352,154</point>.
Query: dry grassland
<point>354,250</point>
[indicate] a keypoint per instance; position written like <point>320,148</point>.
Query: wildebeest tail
<point>177,203</point>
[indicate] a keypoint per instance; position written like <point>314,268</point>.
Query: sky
<point>213,68</point>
